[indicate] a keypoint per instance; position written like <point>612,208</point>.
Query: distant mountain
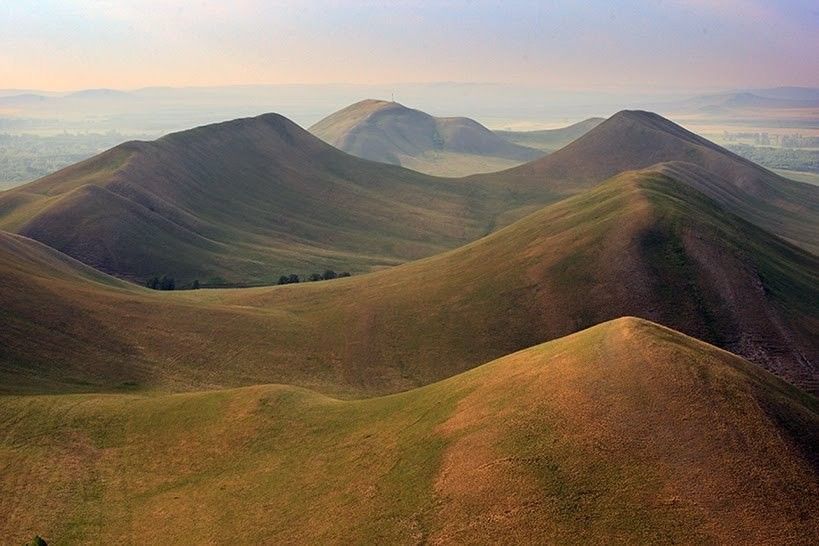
<point>22,99</point>
<point>244,201</point>
<point>789,93</point>
<point>389,132</point>
<point>632,140</point>
<point>724,103</point>
<point>550,140</point>
<point>97,94</point>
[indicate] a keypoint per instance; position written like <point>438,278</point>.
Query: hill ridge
<point>633,140</point>
<point>257,197</point>
<point>590,438</point>
<point>642,244</point>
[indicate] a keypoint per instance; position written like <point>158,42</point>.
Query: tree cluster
<point>168,283</point>
<point>326,276</point>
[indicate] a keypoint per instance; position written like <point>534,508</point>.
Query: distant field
<point>28,157</point>
<point>453,164</point>
<point>799,176</point>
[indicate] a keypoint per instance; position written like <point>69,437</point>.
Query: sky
<point>571,44</point>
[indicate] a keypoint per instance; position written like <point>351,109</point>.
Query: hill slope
<point>245,201</point>
<point>249,200</point>
<point>627,432</point>
<point>632,140</point>
<point>642,244</point>
<point>550,140</point>
<point>389,132</point>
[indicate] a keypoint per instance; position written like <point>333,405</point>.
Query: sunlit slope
<point>244,201</point>
<point>641,244</point>
<point>632,140</point>
<point>624,433</point>
<point>389,132</point>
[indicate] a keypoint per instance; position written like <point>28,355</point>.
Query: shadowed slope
<point>247,201</point>
<point>389,132</point>
<point>641,244</point>
<point>633,140</point>
<point>626,432</point>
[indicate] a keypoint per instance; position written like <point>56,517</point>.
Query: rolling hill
<point>550,140</point>
<point>632,140</point>
<point>624,433</point>
<point>642,244</point>
<point>390,132</point>
<point>249,200</point>
<point>243,201</point>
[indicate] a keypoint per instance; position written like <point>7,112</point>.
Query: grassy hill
<point>633,140</point>
<point>249,200</point>
<point>624,433</point>
<point>642,244</point>
<point>243,201</point>
<point>389,132</point>
<point>550,140</point>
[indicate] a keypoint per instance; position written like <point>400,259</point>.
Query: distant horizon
<point>678,44</point>
<point>545,87</point>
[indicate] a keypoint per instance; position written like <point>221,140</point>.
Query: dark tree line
<point>169,283</point>
<point>326,276</point>
<point>166,282</point>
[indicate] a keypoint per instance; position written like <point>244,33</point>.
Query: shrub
<point>289,279</point>
<point>167,283</point>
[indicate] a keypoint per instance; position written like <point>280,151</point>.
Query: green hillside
<point>249,200</point>
<point>642,244</point>
<point>244,201</point>
<point>632,140</point>
<point>624,433</point>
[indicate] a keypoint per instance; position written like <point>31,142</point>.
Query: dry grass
<point>639,245</point>
<point>627,432</point>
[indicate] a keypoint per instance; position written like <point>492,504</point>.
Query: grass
<point>569,266</point>
<point>590,437</point>
<point>245,201</point>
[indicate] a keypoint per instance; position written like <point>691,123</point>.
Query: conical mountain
<point>632,140</point>
<point>243,201</point>
<point>390,132</point>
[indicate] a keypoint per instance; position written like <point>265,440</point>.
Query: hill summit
<point>633,140</point>
<point>243,201</point>
<point>390,132</point>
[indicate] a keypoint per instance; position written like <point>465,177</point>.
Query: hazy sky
<point>73,44</point>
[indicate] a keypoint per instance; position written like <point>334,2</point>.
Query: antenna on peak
<point>393,96</point>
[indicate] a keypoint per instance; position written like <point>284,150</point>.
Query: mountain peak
<point>390,132</point>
